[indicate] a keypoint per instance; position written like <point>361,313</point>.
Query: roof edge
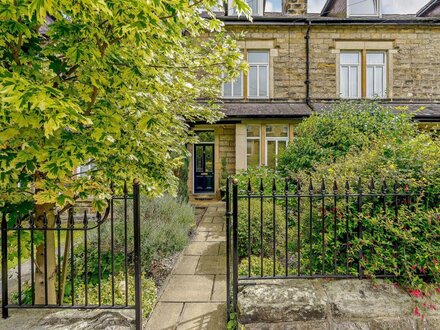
<point>427,8</point>
<point>325,11</point>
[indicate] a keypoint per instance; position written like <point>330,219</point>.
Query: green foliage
<point>182,174</point>
<point>113,83</point>
<point>272,221</point>
<point>257,175</point>
<point>255,270</point>
<point>405,245</point>
<point>413,162</point>
<point>148,293</point>
<point>346,128</point>
<point>166,225</point>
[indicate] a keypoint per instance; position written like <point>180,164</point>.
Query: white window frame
<point>81,173</point>
<point>277,141</point>
<point>254,138</point>
<point>359,75</point>
<point>378,9</point>
<point>258,65</point>
<point>260,7</point>
<point>384,75</point>
<point>232,89</point>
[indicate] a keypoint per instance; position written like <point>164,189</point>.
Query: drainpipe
<point>307,82</point>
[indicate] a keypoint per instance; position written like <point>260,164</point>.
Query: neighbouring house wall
<point>415,68</point>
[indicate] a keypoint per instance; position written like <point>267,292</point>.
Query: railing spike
<point>274,186</point>
<point>323,186</point>
<point>261,186</point>
<point>125,187</point>
<point>347,185</point>
<point>360,184</point>
<point>286,186</point>
<point>396,186</point>
<point>335,186</point>
<point>384,186</point>
<point>112,188</point>
<point>311,185</point>
<point>85,219</point>
<point>44,220</point>
<point>58,219</point>
<point>18,220</point>
<point>249,188</point>
<point>298,185</point>
<point>372,187</point>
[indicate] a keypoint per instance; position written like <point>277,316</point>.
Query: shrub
<point>268,267</point>
<point>347,127</point>
<point>258,246</point>
<point>166,225</point>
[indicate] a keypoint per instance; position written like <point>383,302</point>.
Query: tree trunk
<point>40,276</point>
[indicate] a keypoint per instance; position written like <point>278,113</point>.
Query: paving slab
<point>216,237</point>
<point>195,295</point>
<point>202,248</point>
<point>186,266</point>
<point>159,322</point>
<point>211,265</point>
<point>207,226</point>
<point>210,316</point>
<point>219,290</point>
<point>188,288</point>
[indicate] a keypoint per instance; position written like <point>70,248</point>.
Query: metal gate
<point>33,240</point>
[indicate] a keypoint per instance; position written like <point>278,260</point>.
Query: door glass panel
<point>209,156</point>
<point>199,159</point>
<point>271,154</point>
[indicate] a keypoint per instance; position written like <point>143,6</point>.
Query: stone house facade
<point>302,62</point>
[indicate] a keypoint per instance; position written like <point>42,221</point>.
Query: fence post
<point>228,246</point>
<point>4,267</point>
<point>235,243</point>
<point>137,255</point>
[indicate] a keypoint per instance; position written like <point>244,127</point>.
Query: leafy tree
<point>110,83</point>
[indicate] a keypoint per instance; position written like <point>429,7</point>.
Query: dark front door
<point>204,168</point>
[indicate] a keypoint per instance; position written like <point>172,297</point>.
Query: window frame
<point>359,75</point>
<point>378,9</point>
<point>277,140</point>
<point>362,76</point>
<point>232,88</point>
<point>258,65</point>
<point>253,138</point>
<point>384,75</point>
<point>233,12</point>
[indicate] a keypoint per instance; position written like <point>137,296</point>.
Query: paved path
<point>194,297</point>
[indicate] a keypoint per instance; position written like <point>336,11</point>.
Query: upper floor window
<point>363,74</point>
<point>363,8</point>
<point>259,7</point>
<point>258,76</point>
<point>256,83</point>
<point>233,89</point>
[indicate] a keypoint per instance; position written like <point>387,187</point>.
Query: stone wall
<point>295,7</point>
<point>338,304</point>
<point>416,64</point>
<point>225,134</point>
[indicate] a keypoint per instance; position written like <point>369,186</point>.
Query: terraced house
<point>299,63</point>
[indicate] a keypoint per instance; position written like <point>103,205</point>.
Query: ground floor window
<point>264,149</point>
<point>253,145</point>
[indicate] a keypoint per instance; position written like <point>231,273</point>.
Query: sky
<point>388,6</point>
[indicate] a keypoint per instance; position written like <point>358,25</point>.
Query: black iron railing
<point>297,232</point>
<point>26,237</point>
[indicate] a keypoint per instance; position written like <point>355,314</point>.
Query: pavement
<point>195,295</point>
